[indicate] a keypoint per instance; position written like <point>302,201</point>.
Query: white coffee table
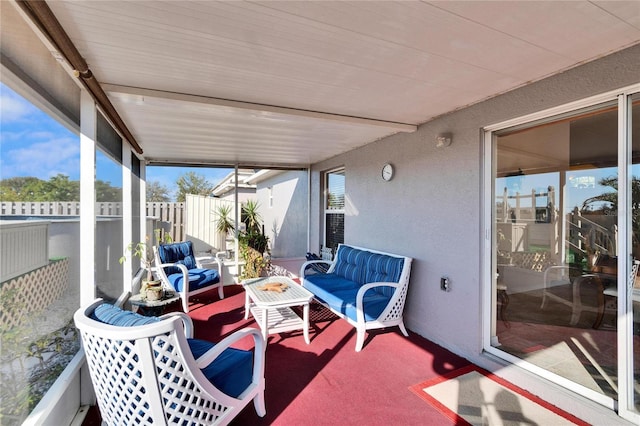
<point>272,310</point>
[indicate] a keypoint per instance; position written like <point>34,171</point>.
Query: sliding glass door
<point>562,247</point>
<point>630,342</point>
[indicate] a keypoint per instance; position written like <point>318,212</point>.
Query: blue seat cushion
<point>198,278</point>
<point>231,371</point>
<point>113,315</point>
<point>180,253</point>
<point>374,304</point>
<point>340,295</point>
<point>328,282</point>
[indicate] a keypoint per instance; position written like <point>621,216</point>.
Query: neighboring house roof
<point>228,184</point>
<point>262,175</point>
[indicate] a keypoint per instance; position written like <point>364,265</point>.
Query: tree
<point>8,194</point>
<point>57,188</point>
<point>60,188</point>
<point>157,192</point>
<point>224,223</point>
<point>609,201</point>
<point>106,192</point>
<point>15,184</point>
<point>251,216</point>
<point>192,183</point>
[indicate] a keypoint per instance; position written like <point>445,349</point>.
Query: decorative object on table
<point>154,291</point>
<point>153,308</point>
<point>277,287</point>
<point>142,250</point>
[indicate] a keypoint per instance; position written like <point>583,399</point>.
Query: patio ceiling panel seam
<point>142,92</point>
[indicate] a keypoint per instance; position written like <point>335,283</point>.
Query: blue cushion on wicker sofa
<point>353,268</point>
<point>340,294</point>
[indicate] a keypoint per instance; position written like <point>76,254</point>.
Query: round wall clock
<point>387,172</point>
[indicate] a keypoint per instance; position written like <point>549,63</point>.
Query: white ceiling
<point>293,83</point>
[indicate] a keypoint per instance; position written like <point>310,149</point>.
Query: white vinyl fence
<point>24,247</point>
<point>171,214</point>
<point>201,222</point>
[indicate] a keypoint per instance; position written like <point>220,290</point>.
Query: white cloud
<point>14,108</point>
<point>43,159</point>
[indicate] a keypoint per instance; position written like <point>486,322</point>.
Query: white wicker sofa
<point>367,288</point>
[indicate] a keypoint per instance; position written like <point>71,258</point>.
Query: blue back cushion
<point>380,267</point>
<point>349,264</point>
<point>181,253</point>
<point>364,267</point>
<point>113,315</point>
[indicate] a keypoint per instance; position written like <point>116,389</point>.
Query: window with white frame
<point>334,208</point>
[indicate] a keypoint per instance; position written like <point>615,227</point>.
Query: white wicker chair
<point>147,374</point>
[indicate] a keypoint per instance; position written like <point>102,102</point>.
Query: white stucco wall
<point>431,210</point>
<point>285,222</point>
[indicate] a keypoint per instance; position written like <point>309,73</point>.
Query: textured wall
<point>431,210</point>
<point>285,222</point>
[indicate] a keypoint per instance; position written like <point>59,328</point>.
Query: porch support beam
<point>138,94</point>
<point>88,132</point>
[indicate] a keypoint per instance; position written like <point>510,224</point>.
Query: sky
<point>34,144</point>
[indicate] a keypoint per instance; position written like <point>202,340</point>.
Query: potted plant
<point>253,242</point>
<point>150,288</point>
<point>224,223</point>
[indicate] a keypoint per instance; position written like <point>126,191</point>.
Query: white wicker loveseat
<point>148,370</point>
<point>367,288</point>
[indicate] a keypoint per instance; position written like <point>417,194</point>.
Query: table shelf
<point>279,319</point>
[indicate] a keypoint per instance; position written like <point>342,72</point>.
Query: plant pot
<point>153,285</point>
<point>154,292</point>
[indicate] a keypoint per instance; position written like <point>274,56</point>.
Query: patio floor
<point>327,382</point>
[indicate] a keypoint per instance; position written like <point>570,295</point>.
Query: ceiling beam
<point>137,95</point>
<point>40,15</point>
